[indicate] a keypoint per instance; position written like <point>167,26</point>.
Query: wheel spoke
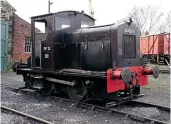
<point>78,92</point>
<point>48,88</point>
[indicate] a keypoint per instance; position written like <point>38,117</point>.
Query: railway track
<point>10,110</point>
<point>164,71</point>
<point>129,115</point>
<point>112,110</point>
<point>164,108</point>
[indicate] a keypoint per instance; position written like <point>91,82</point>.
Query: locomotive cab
<point>54,24</point>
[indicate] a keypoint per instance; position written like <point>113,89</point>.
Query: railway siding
<point>63,112</point>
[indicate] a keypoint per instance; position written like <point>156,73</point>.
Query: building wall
<point>18,30</point>
<point>22,29</point>
<point>7,12</point>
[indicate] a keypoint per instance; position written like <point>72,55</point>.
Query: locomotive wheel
<point>14,66</point>
<point>77,92</point>
<point>28,81</point>
<point>48,87</point>
<point>28,84</point>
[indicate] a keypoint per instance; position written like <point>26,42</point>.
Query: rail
<point>164,108</point>
<point>129,115</point>
<point>164,71</point>
<point>168,63</point>
<point>4,108</point>
<point>112,110</point>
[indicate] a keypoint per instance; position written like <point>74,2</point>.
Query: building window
<point>27,45</point>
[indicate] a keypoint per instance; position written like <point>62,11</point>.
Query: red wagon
<point>156,48</point>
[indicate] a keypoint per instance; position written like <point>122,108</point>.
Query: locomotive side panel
<point>72,55</point>
<point>96,48</point>
<point>59,58</point>
<point>96,55</point>
<point>67,56</point>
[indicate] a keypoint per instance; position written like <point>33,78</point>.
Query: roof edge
<point>62,12</point>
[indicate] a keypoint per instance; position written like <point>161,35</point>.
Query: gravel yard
<point>49,109</point>
<point>15,119</point>
<point>158,92</point>
<point>164,67</point>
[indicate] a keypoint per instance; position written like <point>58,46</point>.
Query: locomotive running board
<point>123,100</point>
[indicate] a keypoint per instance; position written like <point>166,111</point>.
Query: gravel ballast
<point>158,92</point>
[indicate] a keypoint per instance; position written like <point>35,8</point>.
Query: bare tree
<point>168,22</point>
<point>146,18</point>
<point>166,25</point>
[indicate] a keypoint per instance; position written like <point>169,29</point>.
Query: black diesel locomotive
<point>84,60</point>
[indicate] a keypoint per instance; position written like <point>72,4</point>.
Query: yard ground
<point>158,92</point>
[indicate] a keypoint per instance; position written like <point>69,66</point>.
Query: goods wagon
<point>156,48</point>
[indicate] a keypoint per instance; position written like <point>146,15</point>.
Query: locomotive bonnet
<point>84,60</point>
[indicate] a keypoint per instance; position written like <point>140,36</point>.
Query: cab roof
<point>68,11</point>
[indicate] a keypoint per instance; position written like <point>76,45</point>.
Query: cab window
<point>86,24</point>
<point>61,23</point>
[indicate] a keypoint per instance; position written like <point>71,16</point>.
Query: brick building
<point>19,34</point>
<point>22,39</point>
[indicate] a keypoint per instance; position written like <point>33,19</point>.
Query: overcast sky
<point>106,11</point>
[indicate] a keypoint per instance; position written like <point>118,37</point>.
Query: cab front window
<point>86,24</point>
<point>61,23</point>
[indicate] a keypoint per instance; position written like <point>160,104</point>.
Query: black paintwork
<point>92,48</point>
<point>97,48</point>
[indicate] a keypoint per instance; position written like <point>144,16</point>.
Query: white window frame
<point>27,48</point>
